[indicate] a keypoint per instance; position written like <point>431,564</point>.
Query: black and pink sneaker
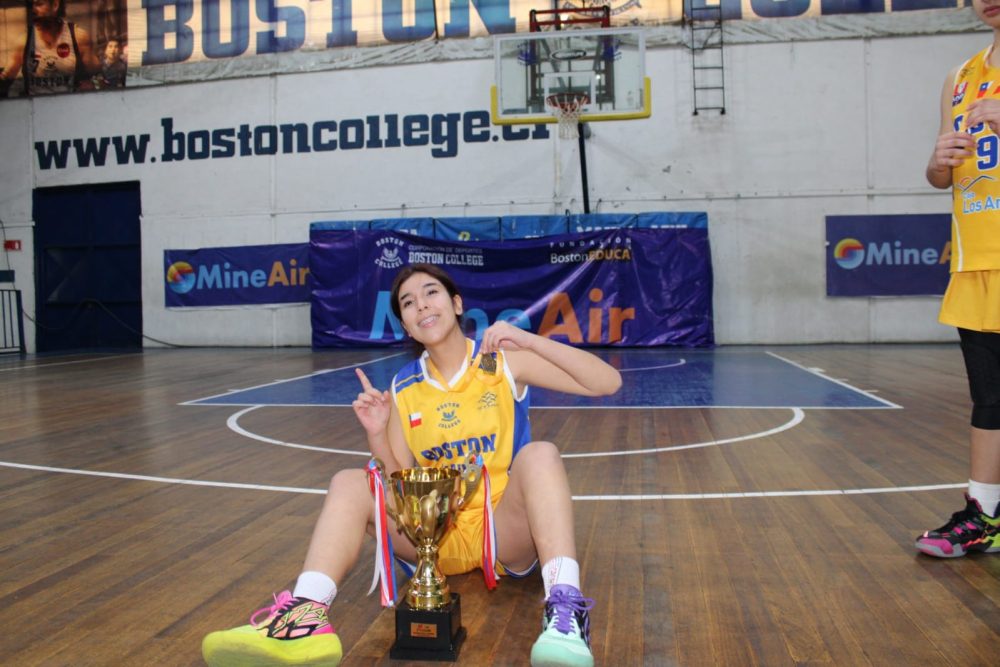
<point>968,530</point>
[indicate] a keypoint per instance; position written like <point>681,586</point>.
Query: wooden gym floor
<point>133,523</point>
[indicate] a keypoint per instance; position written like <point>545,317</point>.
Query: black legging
<point>982,364</point>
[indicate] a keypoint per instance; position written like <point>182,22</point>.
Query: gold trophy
<point>423,502</point>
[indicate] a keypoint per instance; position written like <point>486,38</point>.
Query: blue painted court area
<point>650,379</point>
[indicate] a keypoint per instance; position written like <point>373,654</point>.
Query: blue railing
<point>501,228</point>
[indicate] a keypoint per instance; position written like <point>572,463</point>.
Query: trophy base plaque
<point>428,634</point>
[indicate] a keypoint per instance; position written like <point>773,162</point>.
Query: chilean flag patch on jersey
<point>414,419</point>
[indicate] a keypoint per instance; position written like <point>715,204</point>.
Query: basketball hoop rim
<point>567,102</point>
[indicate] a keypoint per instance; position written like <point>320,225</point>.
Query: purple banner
<point>624,287</point>
<point>887,255</point>
<point>241,276</point>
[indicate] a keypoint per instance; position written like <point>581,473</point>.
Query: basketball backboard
<point>606,65</point>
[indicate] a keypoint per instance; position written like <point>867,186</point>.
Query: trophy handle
<point>472,475</point>
<point>390,499</point>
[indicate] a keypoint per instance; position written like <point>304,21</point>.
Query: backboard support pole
<point>581,142</point>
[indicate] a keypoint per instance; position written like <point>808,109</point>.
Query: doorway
<point>88,287</point>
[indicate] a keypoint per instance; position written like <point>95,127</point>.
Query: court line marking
<point>34,367</point>
<point>813,371</point>
<point>198,401</point>
<point>663,496</point>
<point>778,494</point>
<point>301,377</point>
<point>654,368</point>
<point>883,404</point>
<point>797,417</point>
<point>162,480</point>
<point>648,407</point>
<point>233,424</point>
<point>574,407</point>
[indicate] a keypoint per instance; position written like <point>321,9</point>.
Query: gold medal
<point>488,363</point>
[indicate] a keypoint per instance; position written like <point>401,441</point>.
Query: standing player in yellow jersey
<point>966,158</point>
<point>458,397</point>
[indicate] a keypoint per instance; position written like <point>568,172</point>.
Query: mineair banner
<point>242,276</point>
<point>94,42</point>
<point>887,255</point>
<point>623,287</point>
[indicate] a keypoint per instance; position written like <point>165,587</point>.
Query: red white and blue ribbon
<point>489,531</point>
<point>384,555</point>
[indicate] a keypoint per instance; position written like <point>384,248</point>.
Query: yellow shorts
<point>972,301</point>
<point>461,550</point>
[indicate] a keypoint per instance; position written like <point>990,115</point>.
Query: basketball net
<point>567,107</point>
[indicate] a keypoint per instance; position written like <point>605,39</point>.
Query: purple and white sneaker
<point>565,638</point>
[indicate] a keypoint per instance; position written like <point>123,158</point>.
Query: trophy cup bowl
<point>423,503</point>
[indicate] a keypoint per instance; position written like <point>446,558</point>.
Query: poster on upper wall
<point>62,46</point>
<point>238,276</point>
<point>887,255</point>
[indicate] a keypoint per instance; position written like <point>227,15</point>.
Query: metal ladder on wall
<point>707,67</point>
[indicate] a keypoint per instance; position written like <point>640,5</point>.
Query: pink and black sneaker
<point>968,530</point>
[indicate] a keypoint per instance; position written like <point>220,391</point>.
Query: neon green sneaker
<point>296,631</point>
<point>565,638</point>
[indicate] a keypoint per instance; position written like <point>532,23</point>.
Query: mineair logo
<point>849,253</point>
<point>181,277</point>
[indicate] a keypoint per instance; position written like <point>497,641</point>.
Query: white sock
<point>560,570</point>
<point>987,495</point>
<point>315,586</point>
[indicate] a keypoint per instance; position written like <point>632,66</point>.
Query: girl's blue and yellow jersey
<point>972,300</point>
<point>475,412</point>
<point>976,182</point>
